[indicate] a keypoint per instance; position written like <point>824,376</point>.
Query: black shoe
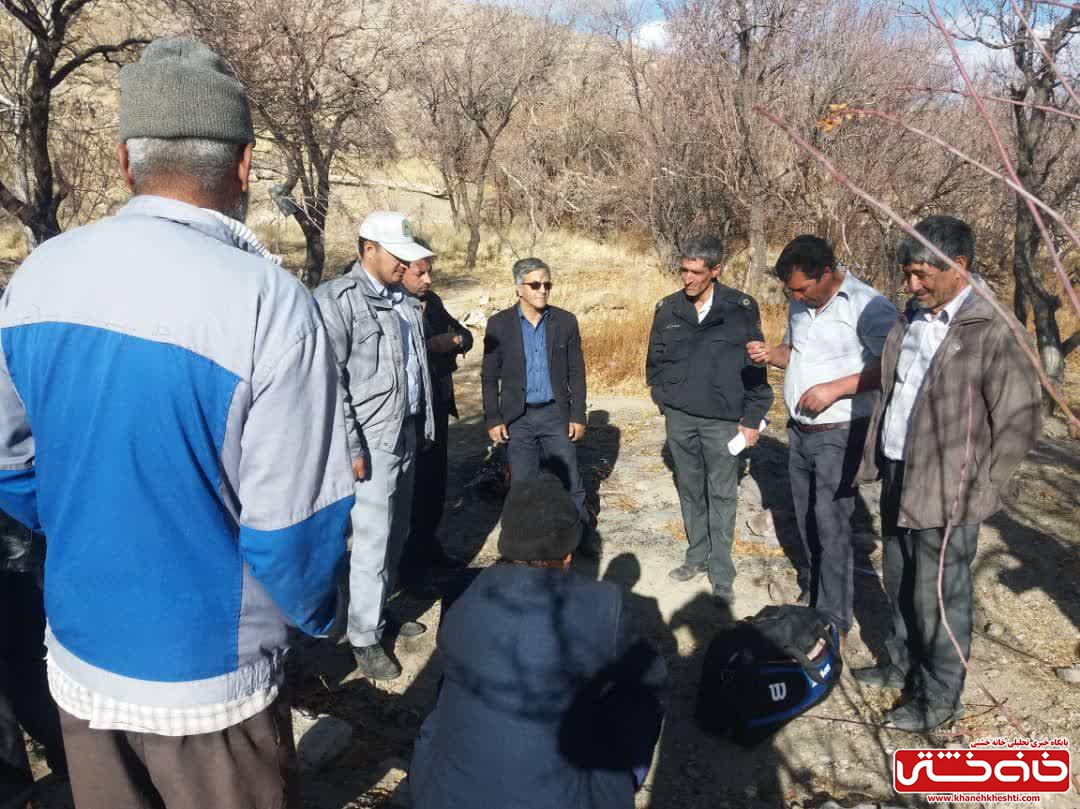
<point>724,599</point>
<point>375,664</point>
<point>410,629</point>
<point>919,717</point>
<point>686,572</point>
<point>885,675</point>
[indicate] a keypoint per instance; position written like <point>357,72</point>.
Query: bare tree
<point>45,44</point>
<point>1036,39</point>
<point>316,72</point>
<point>471,78</point>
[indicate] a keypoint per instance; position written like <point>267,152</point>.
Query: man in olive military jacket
<point>709,392</point>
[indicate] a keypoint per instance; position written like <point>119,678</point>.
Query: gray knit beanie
<point>182,89</point>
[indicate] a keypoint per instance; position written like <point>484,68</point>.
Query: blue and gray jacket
<point>169,417</point>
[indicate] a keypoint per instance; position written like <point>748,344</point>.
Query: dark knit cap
<point>180,88</point>
<point>539,522</point>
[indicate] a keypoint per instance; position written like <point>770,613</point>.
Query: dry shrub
<point>615,345</point>
<point>774,322</point>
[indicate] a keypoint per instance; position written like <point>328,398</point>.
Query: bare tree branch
<point>98,50</point>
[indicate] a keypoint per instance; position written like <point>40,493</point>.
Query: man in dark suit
<point>534,382</point>
<point>548,697</point>
<point>446,340</point>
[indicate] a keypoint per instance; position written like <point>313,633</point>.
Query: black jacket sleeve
<point>653,367</point>
<point>445,322</point>
<point>757,393</point>
<point>575,371</point>
<point>491,372</point>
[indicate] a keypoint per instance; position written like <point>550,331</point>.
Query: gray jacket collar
<point>363,281</point>
<point>186,214</point>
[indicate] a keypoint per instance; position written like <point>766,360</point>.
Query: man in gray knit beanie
<point>185,127</point>
<point>197,508</point>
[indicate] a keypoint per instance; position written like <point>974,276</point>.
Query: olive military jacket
<point>703,368</point>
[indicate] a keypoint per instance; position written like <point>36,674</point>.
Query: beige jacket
<point>980,352</point>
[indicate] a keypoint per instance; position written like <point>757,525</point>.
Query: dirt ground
<point>1027,576</point>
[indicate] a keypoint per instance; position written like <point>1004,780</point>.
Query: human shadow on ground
<point>689,761</point>
<point>766,464</point>
<point>768,468</point>
<point>597,455</point>
<point>1047,561</point>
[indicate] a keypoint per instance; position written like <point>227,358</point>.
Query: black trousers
<point>822,467</point>
<point>428,502</point>
<point>25,702</point>
<point>540,437</point>
<point>919,644</point>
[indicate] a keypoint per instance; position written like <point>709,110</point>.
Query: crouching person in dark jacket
<point>548,699</point>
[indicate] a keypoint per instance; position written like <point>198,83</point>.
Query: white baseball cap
<point>393,231</point>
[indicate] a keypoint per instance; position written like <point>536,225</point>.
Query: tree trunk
<point>312,221</point>
<point>1043,304</point>
<point>759,249</point>
<point>44,224</point>
<point>474,242</point>
<point>451,198</point>
<point>314,256</point>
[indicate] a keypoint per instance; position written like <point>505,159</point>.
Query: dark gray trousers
<point>707,478</point>
<point>822,467</point>
<point>246,766</point>
<point>540,436</point>
<point>919,644</point>
<point>25,702</point>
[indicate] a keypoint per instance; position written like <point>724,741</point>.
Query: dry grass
<point>675,529</point>
<point>12,242</point>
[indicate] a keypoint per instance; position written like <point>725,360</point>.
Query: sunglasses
<point>536,286</point>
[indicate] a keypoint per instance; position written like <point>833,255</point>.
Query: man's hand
<point>444,343</point>
<point>818,398</point>
<point>359,468</point>
<point>750,435</point>
<point>499,434</point>
<point>576,431</point>
<point>759,352</point>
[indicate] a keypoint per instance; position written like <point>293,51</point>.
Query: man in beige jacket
<point>952,372</point>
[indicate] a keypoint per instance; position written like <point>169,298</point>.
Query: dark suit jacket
<point>438,321</point>
<point>522,719</point>
<point>503,374</point>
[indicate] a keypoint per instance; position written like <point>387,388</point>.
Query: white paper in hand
<point>738,443</point>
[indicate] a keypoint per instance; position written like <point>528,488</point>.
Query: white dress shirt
<point>836,340</point>
<point>706,306</point>
<point>922,341</point>
<point>414,385</point>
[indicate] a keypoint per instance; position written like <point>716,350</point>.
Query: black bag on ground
<point>764,671</point>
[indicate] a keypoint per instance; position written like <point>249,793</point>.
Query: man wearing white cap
<point>377,334</point>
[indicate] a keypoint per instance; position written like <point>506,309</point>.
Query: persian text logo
<point>996,769</point>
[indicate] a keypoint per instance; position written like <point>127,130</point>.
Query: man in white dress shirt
<point>960,408</point>
<point>837,327</point>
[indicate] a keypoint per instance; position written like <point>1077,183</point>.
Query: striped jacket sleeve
<point>296,482</point>
<point>18,483</point>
